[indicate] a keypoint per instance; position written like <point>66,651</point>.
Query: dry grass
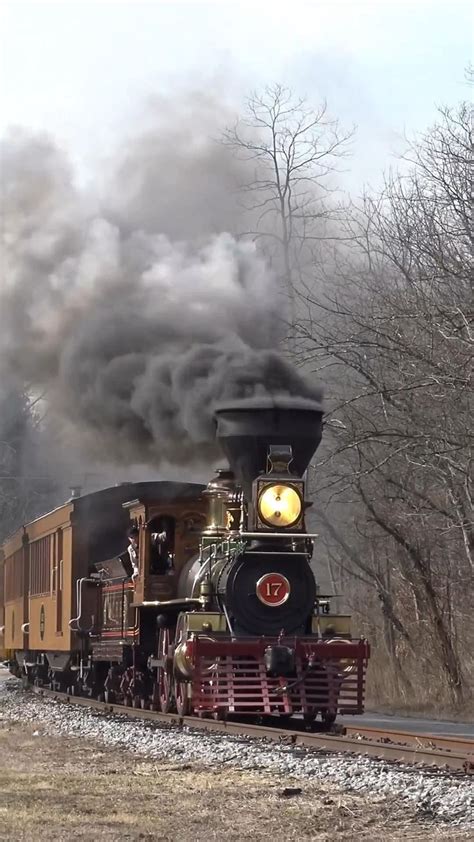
<point>421,691</point>
<point>67,789</point>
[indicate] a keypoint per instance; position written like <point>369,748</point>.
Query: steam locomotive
<point>222,617</point>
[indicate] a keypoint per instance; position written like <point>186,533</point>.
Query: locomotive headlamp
<point>280,505</point>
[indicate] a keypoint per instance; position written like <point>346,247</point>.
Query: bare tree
<point>26,489</point>
<point>395,327</point>
<point>290,199</point>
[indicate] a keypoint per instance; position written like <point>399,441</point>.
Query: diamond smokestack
<point>246,428</point>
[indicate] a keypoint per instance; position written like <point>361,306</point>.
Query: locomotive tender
<point>222,617</point>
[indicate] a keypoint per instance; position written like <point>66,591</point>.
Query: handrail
<point>171,603</point>
<point>77,620</point>
<point>300,535</point>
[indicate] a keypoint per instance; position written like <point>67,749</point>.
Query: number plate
<point>273,589</point>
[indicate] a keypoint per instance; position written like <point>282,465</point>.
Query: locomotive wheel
<point>183,703</point>
<point>164,676</point>
<point>164,684</point>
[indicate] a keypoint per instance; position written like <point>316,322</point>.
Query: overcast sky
<point>83,70</point>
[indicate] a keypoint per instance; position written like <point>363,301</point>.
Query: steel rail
<point>326,743</point>
<point>424,740</point>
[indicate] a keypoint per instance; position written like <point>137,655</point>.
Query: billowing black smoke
<point>133,333</point>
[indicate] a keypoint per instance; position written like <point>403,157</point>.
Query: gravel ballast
<point>438,796</point>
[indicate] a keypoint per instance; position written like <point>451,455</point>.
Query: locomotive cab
<point>161,532</point>
<point>169,532</point>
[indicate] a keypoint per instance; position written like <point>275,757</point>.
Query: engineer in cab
<point>161,555</point>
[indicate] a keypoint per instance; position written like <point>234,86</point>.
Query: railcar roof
<point>125,492</point>
<point>158,490</point>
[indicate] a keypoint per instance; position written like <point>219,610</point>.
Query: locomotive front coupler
<point>280,660</point>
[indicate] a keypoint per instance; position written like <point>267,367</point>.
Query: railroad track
<point>458,745</point>
<point>419,749</point>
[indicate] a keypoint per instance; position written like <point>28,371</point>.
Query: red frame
<point>230,677</point>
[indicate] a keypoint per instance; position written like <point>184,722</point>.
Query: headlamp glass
<point>279,505</point>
